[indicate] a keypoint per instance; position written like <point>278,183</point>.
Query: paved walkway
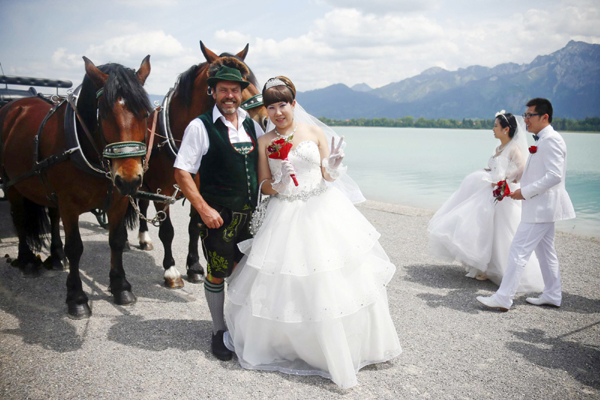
<point>159,347</point>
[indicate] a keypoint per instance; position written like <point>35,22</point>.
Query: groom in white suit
<point>545,201</point>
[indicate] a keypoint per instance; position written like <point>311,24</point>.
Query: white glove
<point>333,164</point>
<point>283,182</point>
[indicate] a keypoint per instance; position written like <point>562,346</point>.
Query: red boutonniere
<point>533,149</point>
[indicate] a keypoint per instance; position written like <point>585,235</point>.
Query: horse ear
<point>209,55</point>
<point>242,54</point>
<point>98,77</point>
<point>144,70</point>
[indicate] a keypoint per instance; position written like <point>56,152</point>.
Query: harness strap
<point>151,140</point>
<point>83,125</point>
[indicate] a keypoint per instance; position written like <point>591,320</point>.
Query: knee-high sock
<point>215,297</point>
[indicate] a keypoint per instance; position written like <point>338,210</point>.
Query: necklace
<point>502,147</point>
<point>286,136</point>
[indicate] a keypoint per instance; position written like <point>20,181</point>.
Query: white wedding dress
<point>309,297</point>
<point>474,229</point>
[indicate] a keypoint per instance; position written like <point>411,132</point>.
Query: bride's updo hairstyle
<point>277,90</point>
<point>508,120</point>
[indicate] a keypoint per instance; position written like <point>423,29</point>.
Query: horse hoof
<point>30,271</point>
<point>195,276</point>
<point>79,311</point>
<point>176,283</point>
<point>55,264</point>
<point>146,246</point>
<point>124,298</point>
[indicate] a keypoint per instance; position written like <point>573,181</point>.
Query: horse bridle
<point>252,102</point>
<point>116,150</point>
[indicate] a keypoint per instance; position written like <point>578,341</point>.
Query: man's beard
<point>228,108</point>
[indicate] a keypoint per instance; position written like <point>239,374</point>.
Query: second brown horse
<point>188,100</point>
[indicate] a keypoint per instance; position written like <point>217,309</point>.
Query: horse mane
<point>185,82</point>
<point>234,61</point>
<point>122,83</point>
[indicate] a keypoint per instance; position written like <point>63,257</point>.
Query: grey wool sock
<point>215,297</point>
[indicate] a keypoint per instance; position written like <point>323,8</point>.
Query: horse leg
<point>21,214</point>
<point>77,300</point>
<point>195,272</point>
<point>117,237</point>
<point>57,260</point>
<point>166,233</point>
<point>143,236</point>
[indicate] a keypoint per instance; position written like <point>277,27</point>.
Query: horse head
<point>114,101</point>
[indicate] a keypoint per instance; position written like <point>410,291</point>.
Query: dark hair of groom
<point>542,106</point>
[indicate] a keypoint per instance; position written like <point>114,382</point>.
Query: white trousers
<point>529,238</point>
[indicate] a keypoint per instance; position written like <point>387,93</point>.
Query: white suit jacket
<point>543,181</point>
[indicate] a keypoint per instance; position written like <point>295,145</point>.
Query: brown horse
<point>111,107</point>
<point>188,100</point>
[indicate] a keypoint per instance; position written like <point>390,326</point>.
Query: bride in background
<point>309,297</point>
<point>475,229</point>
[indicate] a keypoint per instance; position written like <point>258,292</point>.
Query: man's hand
<point>211,218</point>
<point>516,195</point>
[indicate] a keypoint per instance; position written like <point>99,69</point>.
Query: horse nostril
<point>118,181</point>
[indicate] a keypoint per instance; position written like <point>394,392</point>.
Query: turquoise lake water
<point>423,167</point>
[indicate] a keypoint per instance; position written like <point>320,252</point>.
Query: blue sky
<point>314,42</point>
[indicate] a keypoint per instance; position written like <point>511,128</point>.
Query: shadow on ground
<point>462,291</point>
<point>581,361</point>
<point>39,303</point>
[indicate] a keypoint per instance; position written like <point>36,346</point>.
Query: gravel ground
<point>158,348</point>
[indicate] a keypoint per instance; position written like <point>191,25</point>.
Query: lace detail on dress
<point>306,159</point>
<point>304,156</point>
<point>303,196</point>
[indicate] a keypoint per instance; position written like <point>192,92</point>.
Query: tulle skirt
<point>473,229</point>
<point>309,297</point>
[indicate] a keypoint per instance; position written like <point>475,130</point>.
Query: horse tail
<point>131,218</point>
<point>36,225</point>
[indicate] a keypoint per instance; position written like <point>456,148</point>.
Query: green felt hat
<point>226,73</point>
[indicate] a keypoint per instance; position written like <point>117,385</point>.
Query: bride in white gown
<point>309,297</point>
<point>472,227</point>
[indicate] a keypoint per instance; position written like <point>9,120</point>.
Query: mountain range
<point>569,78</point>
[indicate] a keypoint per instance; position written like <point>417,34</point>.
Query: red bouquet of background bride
<point>501,191</point>
<point>279,150</point>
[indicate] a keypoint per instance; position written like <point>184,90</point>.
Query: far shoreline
<point>445,129</point>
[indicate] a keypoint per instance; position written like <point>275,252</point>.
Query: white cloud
<point>386,7</point>
<point>168,58</point>
<point>332,41</point>
<point>137,45</point>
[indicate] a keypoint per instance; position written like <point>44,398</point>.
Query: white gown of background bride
<point>473,229</point>
<point>309,297</point>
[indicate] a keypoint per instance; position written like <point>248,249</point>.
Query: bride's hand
<point>287,170</point>
<point>337,155</point>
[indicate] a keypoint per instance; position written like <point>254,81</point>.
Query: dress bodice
<point>504,168</point>
<point>306,159</point>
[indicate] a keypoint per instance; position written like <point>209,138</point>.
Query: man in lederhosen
<point>221,145</point>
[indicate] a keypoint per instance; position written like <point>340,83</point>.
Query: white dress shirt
<point>195,142</point>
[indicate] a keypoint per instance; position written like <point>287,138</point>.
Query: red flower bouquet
<point>501,191</point>
<point>279,150</point>
<point>533,149</point>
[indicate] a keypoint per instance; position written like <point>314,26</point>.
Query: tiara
<point>501,113</point>
<point>274,82</point>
